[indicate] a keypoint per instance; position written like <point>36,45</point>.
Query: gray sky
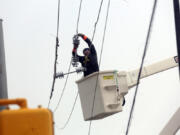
<point>29,32</point>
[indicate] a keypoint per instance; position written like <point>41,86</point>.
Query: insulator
<point>60,75</point>
<point>75,61</point>
<point>79,70</point>
<point>76,40</point>
<point>75,64</point>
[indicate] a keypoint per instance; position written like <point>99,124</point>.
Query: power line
<point>56,53</point>
<point>141,66</point>
<point>79,13</point>
<point>104,34</point>
<point>77,28</point>
<point>62,93</point>
<point>70,61</point>
<point>95,24</point>
<point>69,117</point>
<point>92,39</point>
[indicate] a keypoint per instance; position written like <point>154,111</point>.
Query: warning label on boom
<point>108,77</point>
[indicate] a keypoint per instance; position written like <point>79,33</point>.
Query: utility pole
<point>177,26</point>
<point>3,78</point>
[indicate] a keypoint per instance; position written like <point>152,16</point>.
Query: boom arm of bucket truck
<point>151,70</point>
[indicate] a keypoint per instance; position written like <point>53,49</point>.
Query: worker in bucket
<point>89,60</point>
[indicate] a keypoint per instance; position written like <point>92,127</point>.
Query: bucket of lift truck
<point>100,89</point>
<point>25,121</point>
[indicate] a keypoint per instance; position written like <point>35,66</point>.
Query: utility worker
<point>89,60</point>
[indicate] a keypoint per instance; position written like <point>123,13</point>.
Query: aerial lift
<point>102,93</point>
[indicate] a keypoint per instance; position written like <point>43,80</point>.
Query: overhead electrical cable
<point>92,40</point>
<point>95,24</point>
<point>79,13</point>
<point>64,87</point>
<point>77,28</point>
<point>67,77</point>
<point>69,117</point>
<point>102,46</point>
<point>141,66</point>
<point>56,53</point>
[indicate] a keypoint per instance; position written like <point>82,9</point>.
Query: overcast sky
<point>29,35</point>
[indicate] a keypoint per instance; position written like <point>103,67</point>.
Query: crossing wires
<point>102,46</point>
<point>141,66</point>
<point>64,87</point>
<point>56,56</point>
<point>97,20</point>
<point>56,53</point>
<point>79,13</point>
<point>77,29</point>
<point>69,117</point>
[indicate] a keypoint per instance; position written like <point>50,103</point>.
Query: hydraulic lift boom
<point>151,69</point>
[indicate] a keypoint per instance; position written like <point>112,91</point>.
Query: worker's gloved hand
<point>74,51</point>
<point>80,35</point>
<point>76,46</point>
